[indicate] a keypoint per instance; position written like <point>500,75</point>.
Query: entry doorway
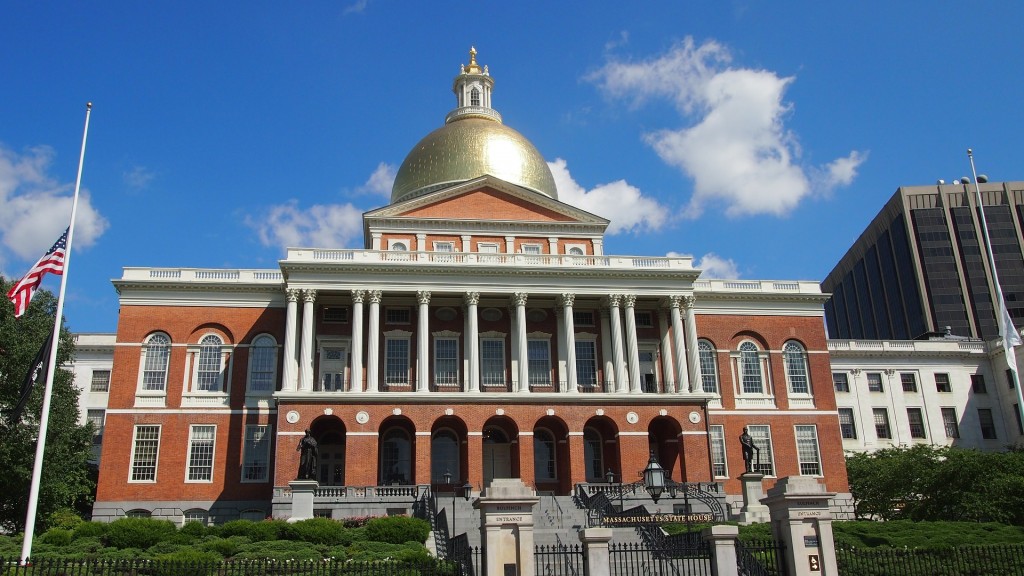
<point>497,457</point>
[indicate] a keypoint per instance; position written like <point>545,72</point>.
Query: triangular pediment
<point>487,199</point>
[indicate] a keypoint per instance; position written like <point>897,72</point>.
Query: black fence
<point>564,560</point>
<point>47,567</point>
<point>760,558</point>
<point>1000,559</point>
<point>631,559</point>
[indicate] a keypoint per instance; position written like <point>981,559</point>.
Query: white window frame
<point>196,471</point>
<point>553,477</point>
<point>484,374</point>
<point>587,339</point>
<point>531,249</point>
<point>881,382</point>
<point>336,369</point>
<point>103,381</point>
<point>452,376</point>
<point>398,245</point>
<point>598,456</point>
<point>764,442</point>
<point>576,249</point>
<point>946,411</point>
<point>794,357</point>
<point>389,374</point>
<point>132,472</point>
<point>196,353</point>
<point>258,366</point>
<point>397,310</point>
<point>804,457</point>
<point>98,418</point>
<point>844,378</point>
<point>488,248</point>
<point>765,397</point>
<point>538,377</point>
<point>911,424</point>
<point>881,411</point>
<point>251,456</point>
<point>852,423</point>
<point>148,384</point>
<point>195,515</point>
<point>719,454</point>
<point>708,358</point>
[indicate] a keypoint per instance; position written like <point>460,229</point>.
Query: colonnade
<point>680,362</point>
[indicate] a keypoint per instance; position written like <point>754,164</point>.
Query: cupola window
<point>474,97</point>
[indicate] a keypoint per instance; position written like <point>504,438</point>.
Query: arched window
<point>253,514</point>
<point>262,363</point>
<point>208,367</point>
<point>750,368</point>
<point>576,251</point>
<point>544,456</point>
<point>155,355</point>
<point>444,457</point>
<point>474,97</point>
<point>708,366</point>
<point>399,247</point>
<point>196,515</point>
<point>138,513</point>
<point>796,368</point>
<point>395,457</point>
<point>593,454</point>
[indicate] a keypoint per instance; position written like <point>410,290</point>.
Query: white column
<point>680,341</point>
<point>566,301</point>
<point>510,244</point>
<point>562,376</point>
<point>472,299</point>
<point>598,247</point>
<point>519,298</point>
<point>290,367</point>
<point>552,245</point>
<point>465,243</point>
<point>423,342</point>
<point>668,373</point>
<point>376,241</point>
<point>357,341</point>
<point>632,347</point>
<point>621,379</point>
<point>306,361</point>
<point>373,342</point>
<point>692,353</point>
<point>606,351</point>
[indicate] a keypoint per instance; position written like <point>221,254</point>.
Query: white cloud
<point>325,226</point>
<point>735,147</point>
<point>138,178</point>
<point>35,208</point>
<point>714,266</point>
<point>627,208</point>
<point>381,181</point>
<point>357,7</point>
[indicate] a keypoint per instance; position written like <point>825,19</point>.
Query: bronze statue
<point>309,455</point>
<point>747,442</point>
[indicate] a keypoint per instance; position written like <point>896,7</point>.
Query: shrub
<point>138,532</point>
<point>316,531</point>
<point>56,537</point>
<point>194,530</point>
<point>235,528</point>
<point>280,551</point>
<point>64,518</point>
<point>112,553</point>
<point>267,530</point>
<point>226,547</point>
<point>375,551</point>
<point>90,530</point>
<point>196,562</point>
<point>397,529</point>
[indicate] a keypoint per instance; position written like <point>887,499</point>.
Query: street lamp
<point>654,478</point>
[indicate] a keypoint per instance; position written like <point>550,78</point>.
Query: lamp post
<point>609,476</point>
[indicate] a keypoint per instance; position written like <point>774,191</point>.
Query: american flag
<point>52,262</point>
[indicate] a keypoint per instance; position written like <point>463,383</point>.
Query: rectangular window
<point>200,453</point>
<point>256,454</point>
<point>718,459</point>
<point>978,384</point>
<point>807,450</point>
<point>531,248</point>
<point>100,381</point>
<point>1009,378</point>
<point>882,429</point>
<point>916,418</point>
<point>394,315</point>
<point>583,317</point>
<point>846,423</point>
<point>875,382</point>
<point>96,418</point>
<point>909,380</point>
<point>396,361</point>
<point>145,448</point>
<point>444,247</point>
<point>586,363</point>
<point>841,381</point>
<point>492,362</point>
<point>988,425</point>
<point>487,248</point>
<point>539,358</point>
<point>446,362</point>
<point>942,383</point>
<point>335,314</point>
<point>644,319</point>
<point>764,461</point>
<point>951,422</point>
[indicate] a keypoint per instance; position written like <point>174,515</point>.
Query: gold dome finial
<point>473,67</point>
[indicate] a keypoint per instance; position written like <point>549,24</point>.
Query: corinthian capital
<point>519,298</point>
<point>374,296</point>
<point>472,298</point>
<point>566,299</point>
<point>309,296</point>
<point>292,294</point>
<point>423,297</point>
<point>357,296</point>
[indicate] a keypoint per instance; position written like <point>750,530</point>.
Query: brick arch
<point>611,459</point>
<point>663,437</point>
<point>401,466</point>
<point>331,437</point>
<point>211,327</point>
<point>742,335</point>
<point>562,484</point>
<point>510,429</point>
<point>436,467</point>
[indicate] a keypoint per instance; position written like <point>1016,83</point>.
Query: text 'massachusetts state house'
<point>482,333</point>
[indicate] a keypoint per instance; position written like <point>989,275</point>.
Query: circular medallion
<point>599,411</point>
<point>397,411</point>
<point>362,417</point>
<point>500,411</point>
<point>292,417</point>
<point>695,417</point>
<point>328,411</point>
<point>632,417</point>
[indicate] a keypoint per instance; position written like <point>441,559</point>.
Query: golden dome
<point>472,143</point>
<point>469,148</point>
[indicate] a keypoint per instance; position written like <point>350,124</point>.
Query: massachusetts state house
<point>482,332</point>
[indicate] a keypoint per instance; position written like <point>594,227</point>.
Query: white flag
<point>1011,338</point>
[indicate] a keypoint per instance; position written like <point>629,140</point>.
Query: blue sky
<point>759,137</point>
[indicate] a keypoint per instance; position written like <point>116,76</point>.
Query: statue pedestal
<point>506,527</point>
<point>302,499</point>
<point>753,510</point>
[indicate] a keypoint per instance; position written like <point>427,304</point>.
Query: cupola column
<point>631,344</point>
<point>357,341</point>
<point>290,366</point>
<point>681,342</point>
<point>472,299</point>
<point>693,354</point>
<point>569,331</point>
<point>423,342</point>
<point>306,362</point>
<point>519,298</point>
<point>373,341</point>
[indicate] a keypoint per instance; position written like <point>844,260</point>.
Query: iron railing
<point>760,558</point>
<point>64,567</point>
<point>630,559</point>
<point>558,560</point>
<point>997,559</point>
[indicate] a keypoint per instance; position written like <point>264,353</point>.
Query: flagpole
<point>44,418</point>
<point>1003,319</point>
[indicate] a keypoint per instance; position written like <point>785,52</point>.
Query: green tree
<point>66,481</point>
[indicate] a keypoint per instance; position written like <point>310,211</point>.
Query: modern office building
<point>94,359</point>
<point>481,333</point>
<point>920,267</point>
